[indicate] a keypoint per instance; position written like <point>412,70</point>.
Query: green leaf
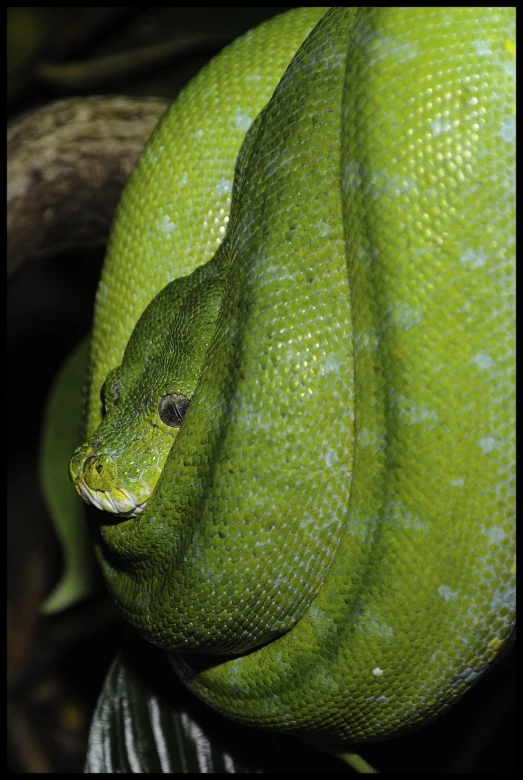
<point>61,434</point>
<point>147,721</point>
<point>139,728</point>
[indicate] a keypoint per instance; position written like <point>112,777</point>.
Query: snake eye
<point>172,409</point>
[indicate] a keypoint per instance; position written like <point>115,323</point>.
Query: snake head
<point>146,398</point>
<point>118,468</point>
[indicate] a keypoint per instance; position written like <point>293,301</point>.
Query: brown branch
<point>67,164</point>
<point>96,73</point>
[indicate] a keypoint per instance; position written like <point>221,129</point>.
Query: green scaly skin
<point>329,549</point>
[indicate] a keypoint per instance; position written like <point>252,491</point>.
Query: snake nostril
<point>99,472</point>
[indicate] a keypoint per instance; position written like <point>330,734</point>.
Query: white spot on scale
<point>459,482</point>
<point>330,365</point>
<point>404,519</point>
<point>406,316</point>
<point>473,258</point>
<point>509,67</point>
<point>325,679</point>
<point>482,360</point>
<point>367,437</point>
<point>482,47</point>
<point>223,187</point>
<point>395,47</point>
<point>166,225</point>
<point>258,420</point>
<point>377,672</point>
<point>370,625</point>
<point>320,618</point>
<point>242,121</point>
<point>487,444</point>
<point>401,185</point>
<point>414,413</point>
<point>495,535</point>
<point>508,129</point>
<point>351,178</point>
<point>330,457</point>
<point>448,595</point>
<point>323,228</point>
<point>151,154</point>
<point>439,126</point>
<point>504,598</point>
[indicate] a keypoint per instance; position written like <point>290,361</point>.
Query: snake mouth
<point>117,501</point>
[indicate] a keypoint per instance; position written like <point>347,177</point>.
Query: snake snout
<point>99,472</point>
<point>95,477</point>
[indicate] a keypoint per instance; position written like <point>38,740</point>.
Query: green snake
<point>304,343</point>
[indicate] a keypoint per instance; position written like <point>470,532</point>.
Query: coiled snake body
<point>308,435</point>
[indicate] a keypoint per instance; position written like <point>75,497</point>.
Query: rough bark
<point>67,164</point>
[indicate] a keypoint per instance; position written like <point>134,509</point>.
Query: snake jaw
<point>102,479</point>
<point>100,487</point>
<point>119,502</point>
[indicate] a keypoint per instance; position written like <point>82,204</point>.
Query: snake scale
<point>304,340</point>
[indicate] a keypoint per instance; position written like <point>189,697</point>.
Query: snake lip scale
<point>104,501</point>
